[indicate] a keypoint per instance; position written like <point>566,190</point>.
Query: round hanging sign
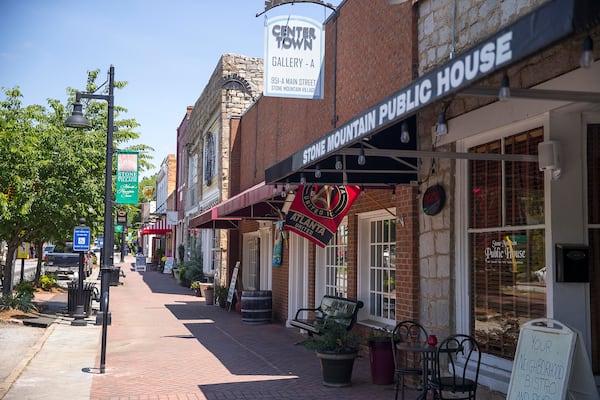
<point>433,200</point>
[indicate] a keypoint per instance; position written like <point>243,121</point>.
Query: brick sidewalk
<point>165,343</point>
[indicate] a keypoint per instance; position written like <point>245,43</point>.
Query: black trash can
<point>73,297</point>
<point>113,276</point>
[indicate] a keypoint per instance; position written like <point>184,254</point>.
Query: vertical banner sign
<point>127,177</point>
<point>317,211</point>
<point>294,51</point>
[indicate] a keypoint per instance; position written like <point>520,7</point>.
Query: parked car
<point>66,265</point>
<point>47,249</point>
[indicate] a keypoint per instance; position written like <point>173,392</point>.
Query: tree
<point>51,175</point>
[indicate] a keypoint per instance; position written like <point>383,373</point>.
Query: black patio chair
<point>408,363</point>
<point>456,368</point>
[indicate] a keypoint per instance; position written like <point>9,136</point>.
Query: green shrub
<point>47,282</point>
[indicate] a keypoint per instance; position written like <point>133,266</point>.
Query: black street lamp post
<point>77,120</point>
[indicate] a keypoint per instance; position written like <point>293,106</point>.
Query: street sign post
<point>81,238</point>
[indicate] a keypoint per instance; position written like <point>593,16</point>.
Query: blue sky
<point>165,50</point>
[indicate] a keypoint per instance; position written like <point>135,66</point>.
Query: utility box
<point>572,263</point>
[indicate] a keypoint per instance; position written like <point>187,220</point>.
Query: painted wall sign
<point>294,51</point>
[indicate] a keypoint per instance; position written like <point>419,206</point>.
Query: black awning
<point>377,129</point>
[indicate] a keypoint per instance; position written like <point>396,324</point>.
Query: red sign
<point>317,211</point>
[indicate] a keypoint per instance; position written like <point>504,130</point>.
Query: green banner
<point>127,177</point>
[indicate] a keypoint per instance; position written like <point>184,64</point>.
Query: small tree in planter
<point>221,293</point>
<point>337,348</point>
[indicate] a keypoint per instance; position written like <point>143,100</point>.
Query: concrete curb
<point>8,382</point>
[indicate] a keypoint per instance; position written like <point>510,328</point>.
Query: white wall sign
<point>294,51</point>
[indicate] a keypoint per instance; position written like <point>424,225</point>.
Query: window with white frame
<point>506,242</point>
<point>192,179</point>
<point>336,263</point>
<point>382,269</point>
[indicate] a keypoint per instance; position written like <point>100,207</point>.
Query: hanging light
<point>362,160</point>
<point>404,134</point>
<point>338,163</point>
<point>504,93</point>
<point>317,172</point>
<point>302,179</point>
<point>587,58</point>
<point>393,192</point>
<point>442,125</point>
<point>287,185</point>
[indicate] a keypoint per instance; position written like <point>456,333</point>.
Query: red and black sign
<point>317,211</point>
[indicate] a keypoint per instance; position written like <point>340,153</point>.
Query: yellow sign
<point>23,250</point>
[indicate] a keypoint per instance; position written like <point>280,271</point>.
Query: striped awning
<point>160,227</point>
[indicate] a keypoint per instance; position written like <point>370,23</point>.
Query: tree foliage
<point>51,175</point>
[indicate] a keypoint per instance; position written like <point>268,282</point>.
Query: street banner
<point>127,177</point>
<point>294,51</point>
<point>317,211</point>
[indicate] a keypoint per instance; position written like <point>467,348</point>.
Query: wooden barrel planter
<point>257,306</point>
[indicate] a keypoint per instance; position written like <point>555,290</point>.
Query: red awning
<point>209,220</point>
<point>261,201</point>
<point>160,227</point>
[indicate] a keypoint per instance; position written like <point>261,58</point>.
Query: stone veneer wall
<point>474,20</point>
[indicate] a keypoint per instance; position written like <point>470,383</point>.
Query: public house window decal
<point>336,263</point>
<point>506,240</point>
<point>209,158</point>
<point>382,269</point>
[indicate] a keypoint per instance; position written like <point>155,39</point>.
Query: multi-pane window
<point>382,269</point>
<point>336,265</point>
<point>506,239</point>
<point>209,158</point>
<point>192,180</point>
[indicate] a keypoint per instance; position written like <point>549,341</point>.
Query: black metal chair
<point>407,363</point>
<point>456,368</point>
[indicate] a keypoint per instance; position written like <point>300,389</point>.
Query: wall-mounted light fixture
<point>317,171</point>
<point>338,163</point>
<point>442,124</point>
<point>587,57</point>
<point>302,179</point>
<point>362,160</point>
<point>504,93</point>
<point>548,158</point>
<point>404,134</point>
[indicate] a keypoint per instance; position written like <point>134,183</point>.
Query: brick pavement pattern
<point>166,343</point>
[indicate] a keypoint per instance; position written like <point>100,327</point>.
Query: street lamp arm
<point>83,95</point>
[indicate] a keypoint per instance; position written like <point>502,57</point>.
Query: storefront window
<point>382,269</point>
<point>507,248</point>
<point>336,266</point>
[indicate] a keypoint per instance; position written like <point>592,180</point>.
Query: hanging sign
<point>317,211</point>
<point>294,50</point>
<point>127,177</point>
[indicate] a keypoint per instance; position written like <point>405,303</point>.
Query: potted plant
<point>195,286</point>
<point>337,348</point>
<point>209,295</point>
<point>221,293</point>
<point>381,357</point>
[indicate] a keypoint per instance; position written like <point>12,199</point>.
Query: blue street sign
<point>81,238</point>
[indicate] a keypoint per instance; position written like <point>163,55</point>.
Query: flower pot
<point>209,296</point>
<point>337,368</point>
<point>382,361</point>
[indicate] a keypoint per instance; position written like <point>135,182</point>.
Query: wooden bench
<point>336,309</point>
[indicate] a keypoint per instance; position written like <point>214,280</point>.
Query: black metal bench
<point>331,309</point>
